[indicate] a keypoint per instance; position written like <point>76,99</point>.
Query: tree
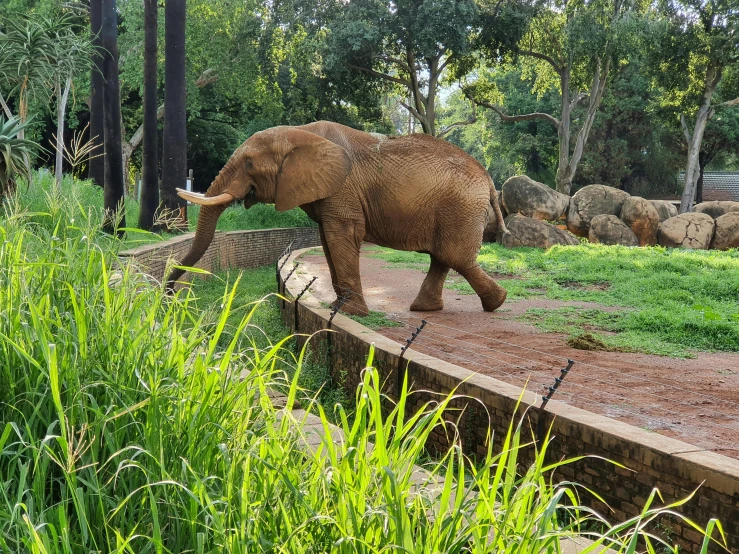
<point>72,56</point>
<point>113,191</point>
<point>96,162</point>
<point>507,149</point>
<point>632,145</point>
<point>721,139</point>
<point>406,45</point>
<point>697,46</point>
<point>571,46</point>
<point>27,52</point>
<point>174,157</point>
<point>150,165</point>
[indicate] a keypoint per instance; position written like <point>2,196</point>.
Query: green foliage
<point>13,154</point>
<point>265,327</point>
<point>132,423</point>
<point>375,320</point>
<point>657,290</point>
<point>90,197</point>
<point>632,146</point>
<point>507,149</point>
<point>259,216</point>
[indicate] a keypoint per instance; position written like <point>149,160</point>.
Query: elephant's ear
<point>314,168</point>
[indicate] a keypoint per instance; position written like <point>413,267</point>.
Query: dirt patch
<point>695,400</point>
<point>581,286</point>
<point>586,341</point>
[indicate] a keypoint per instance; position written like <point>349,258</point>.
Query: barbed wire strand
<point>581,363</point>
<point>601,407</point>
<point>548,355</point>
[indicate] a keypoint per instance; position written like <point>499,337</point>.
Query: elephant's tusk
<point>198,194</point>
<point>202,200</point>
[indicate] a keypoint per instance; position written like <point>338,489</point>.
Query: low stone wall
<point>238,249</point>
<point>651,460</point>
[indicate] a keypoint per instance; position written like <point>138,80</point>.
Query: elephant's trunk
<point>204,233</point>
<point>207,220</point>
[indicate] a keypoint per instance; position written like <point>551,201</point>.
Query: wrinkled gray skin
<point>414,193</point>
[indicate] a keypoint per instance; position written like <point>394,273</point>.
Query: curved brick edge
<point>232,249</point>
<point>651,460</point>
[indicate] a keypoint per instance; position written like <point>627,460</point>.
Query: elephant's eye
<point>249,165</point>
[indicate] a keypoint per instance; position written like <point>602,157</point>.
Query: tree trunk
<point>596,95</point>
<point>174,156</point>
<point>693,169</point>
<point>564,175</point>
<point>61,108</point>
<point>113,196</point>
<point>705,112</point>
<point>699,185</point>
<point>150,165</point>
<point>96,163</point>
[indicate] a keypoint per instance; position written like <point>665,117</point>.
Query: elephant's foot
<point>494,300</point>
<point>355,306</point>
<point>427,304</point>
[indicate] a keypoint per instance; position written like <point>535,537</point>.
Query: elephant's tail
<point>496,208</point>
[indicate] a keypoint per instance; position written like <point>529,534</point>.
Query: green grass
<point>375,320</point>
<point>84,193</point>
<point>131,421</point>
<point>673,301</point>
<point>266,327</point>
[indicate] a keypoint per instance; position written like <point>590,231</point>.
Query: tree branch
<point>686,130</point>
<point>207,77</point>
<point>544,57</point>
<point>390,59</point>
<point>446,130</point>
<point>580,97</point>
<point>379,75</point>
<point>729,103</point>
<point>413,111</point>
<point>512,118</point>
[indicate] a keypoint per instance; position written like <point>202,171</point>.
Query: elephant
<point>412,192</point>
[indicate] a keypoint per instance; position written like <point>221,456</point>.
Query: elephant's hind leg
<point>429,297</point>
<point>491,294</point>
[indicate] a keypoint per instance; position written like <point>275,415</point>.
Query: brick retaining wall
<point>653,460</point>
<point>238,249</point>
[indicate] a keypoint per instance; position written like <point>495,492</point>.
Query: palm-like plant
<point>27,53</point>
<point>14,150</point>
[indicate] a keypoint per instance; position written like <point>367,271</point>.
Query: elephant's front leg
<point>344,238</point>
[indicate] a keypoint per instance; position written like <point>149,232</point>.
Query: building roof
<point>718,185</point>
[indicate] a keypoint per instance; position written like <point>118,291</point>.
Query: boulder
<point>527,231</point>
<point>642,218</point>
<point>689,230</point>
<point>717,208</point>
<point>608,229</point>
<point>726,234</point>
<point>525,196</point>
<point>590,201</point>
<point>665,209</point>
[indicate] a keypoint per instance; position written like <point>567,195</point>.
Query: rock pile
<point>542,217</point>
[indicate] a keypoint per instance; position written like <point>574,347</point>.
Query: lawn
<point>671,301</point>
